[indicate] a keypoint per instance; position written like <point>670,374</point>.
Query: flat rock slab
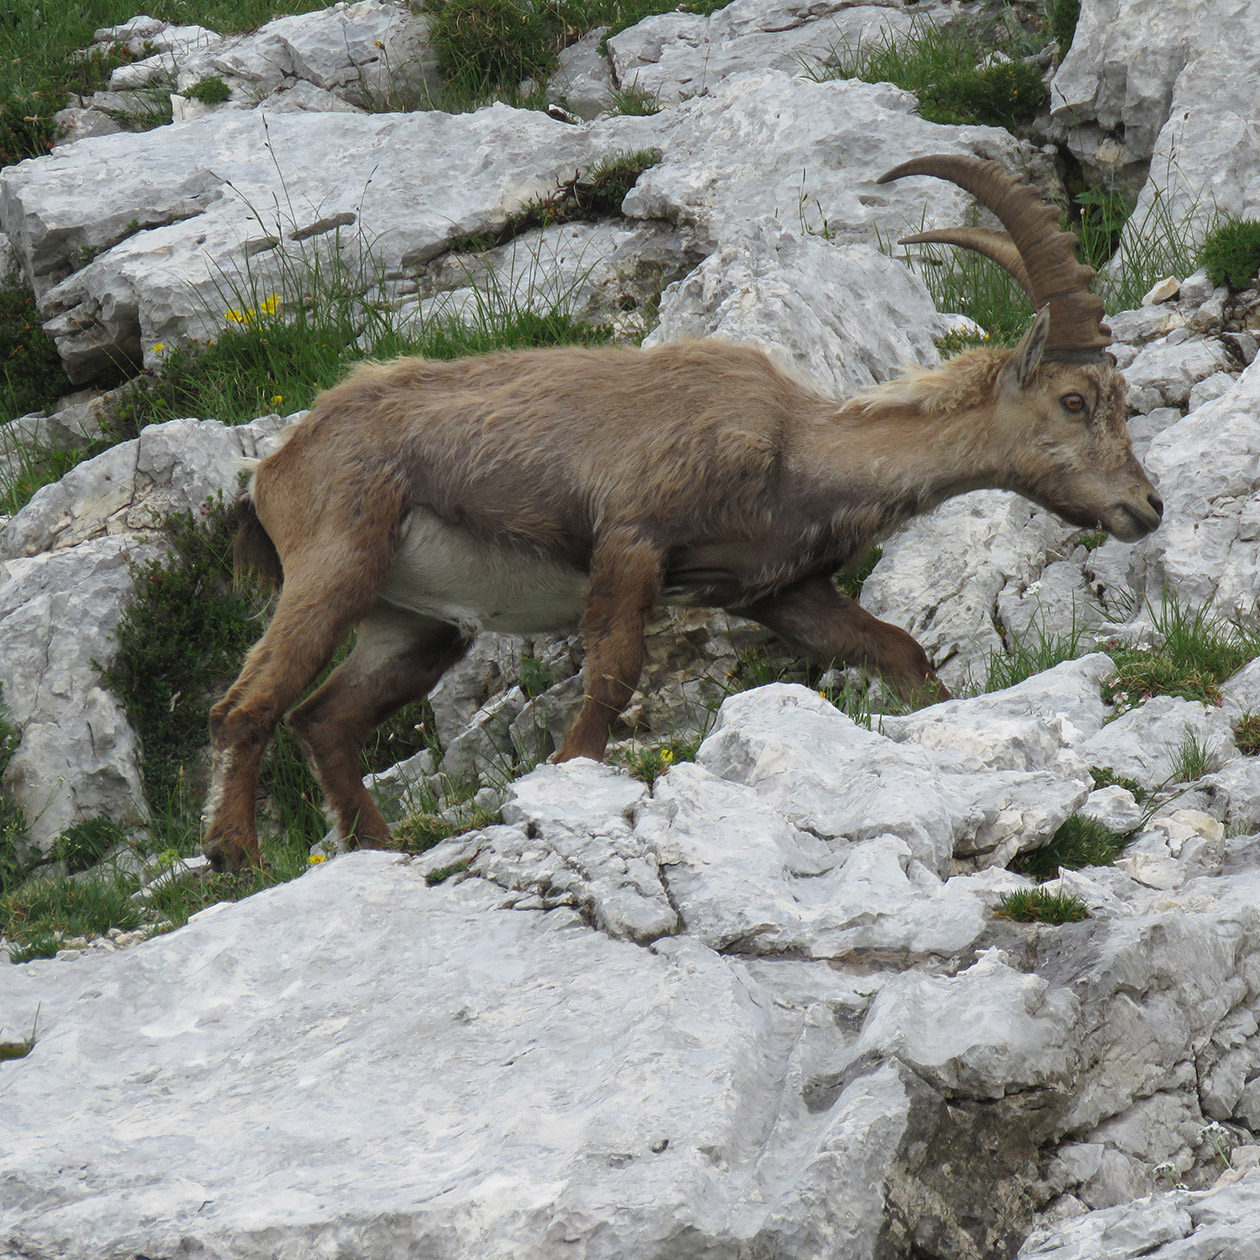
<point>415,1072</point>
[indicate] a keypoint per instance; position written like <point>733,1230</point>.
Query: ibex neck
<point>903,460</point>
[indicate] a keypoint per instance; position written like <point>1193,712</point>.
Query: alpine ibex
<point>420,502</point>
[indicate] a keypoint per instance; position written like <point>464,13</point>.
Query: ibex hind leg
<point>397,659</point>
<point>319,604</point>
<point>832,629</point>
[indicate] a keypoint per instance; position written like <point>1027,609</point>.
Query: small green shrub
<point>535,677</point>
<point>1104,212</point>
<point>1080,841</point>
<point>13,864</point>
<point>1105,776</point>
<point>1034,905</point>
<point>180,643</point>
<point>1003,95</point>
<point>30,368</point>
<point>649,763</point>
<point>1063,16</point>
<point>209,91</point>
<point>424,830</point>
<point>939,64</point>
<point>1231,253</point>
<point>83,844</point>
<point>486,44</point>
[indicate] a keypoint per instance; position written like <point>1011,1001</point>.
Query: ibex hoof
<point>232,853</point>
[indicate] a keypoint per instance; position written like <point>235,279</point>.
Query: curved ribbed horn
<point>1055,277</point>
<point>996,246</point>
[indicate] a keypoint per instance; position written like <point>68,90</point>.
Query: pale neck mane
<point>957,387</point>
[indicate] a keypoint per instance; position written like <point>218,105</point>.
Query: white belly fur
<point>443,572</point>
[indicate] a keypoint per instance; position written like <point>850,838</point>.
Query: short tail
<point>254,554</point>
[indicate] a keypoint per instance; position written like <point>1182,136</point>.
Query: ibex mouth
<point>1130,523</point>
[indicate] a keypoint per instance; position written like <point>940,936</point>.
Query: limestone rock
<point>1206,551</point>
<point>676,55</point>
<point>77,757</point>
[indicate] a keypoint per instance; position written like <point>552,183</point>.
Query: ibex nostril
<point>1156,503</point>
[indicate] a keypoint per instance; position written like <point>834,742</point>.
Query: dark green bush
<point>209,91</point>
<point>1080,841</point>
<point>1063,16</point>
<point>83,844</point>
<point>30,368</point>
<point>996,96</point>
<point>1231,253</point>
<point>180,643</point>
<point>13,867</point>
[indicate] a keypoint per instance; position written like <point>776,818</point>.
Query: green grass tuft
<point>443,873</point>
<point>1081,841</point>
<point>1033,653</point>
<point>209,91</point>
<point>38,917</point>
<point>940,64</point>
<point>83,844</point>
<point>1198,652</point>
<point>1231,253</point>
<point>427,827</point>
<point>1247,734</point>
<point>1033,905</point>
<point>1105,776</point>
<point>649,763</point>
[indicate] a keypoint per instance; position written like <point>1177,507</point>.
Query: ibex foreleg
<point>625,583</point>
<point>832,629</point>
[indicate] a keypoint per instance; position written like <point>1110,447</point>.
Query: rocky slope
<point>763,1007</point>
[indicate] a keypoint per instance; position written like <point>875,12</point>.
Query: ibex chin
<point>421,502</point>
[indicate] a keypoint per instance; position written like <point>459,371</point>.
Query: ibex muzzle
<point>420,502</point>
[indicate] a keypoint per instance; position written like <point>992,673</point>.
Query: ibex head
<point>1060,378</point>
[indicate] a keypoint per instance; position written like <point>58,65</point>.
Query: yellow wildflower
<point>316,858</point>
<point>277,399</point>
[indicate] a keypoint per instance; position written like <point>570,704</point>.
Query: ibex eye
<point>1073,403</point>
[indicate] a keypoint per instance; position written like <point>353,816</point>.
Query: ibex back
<point>420,502</point>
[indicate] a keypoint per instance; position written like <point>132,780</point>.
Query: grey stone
<point>77,756</point>
<point>1146,743</point>
<point>1206,551</point>
<point>677,55</point>
<point>848,317</point>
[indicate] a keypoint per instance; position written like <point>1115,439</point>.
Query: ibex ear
<point>1026,358</point>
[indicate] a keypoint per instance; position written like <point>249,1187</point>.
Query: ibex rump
<point>420,502</point>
